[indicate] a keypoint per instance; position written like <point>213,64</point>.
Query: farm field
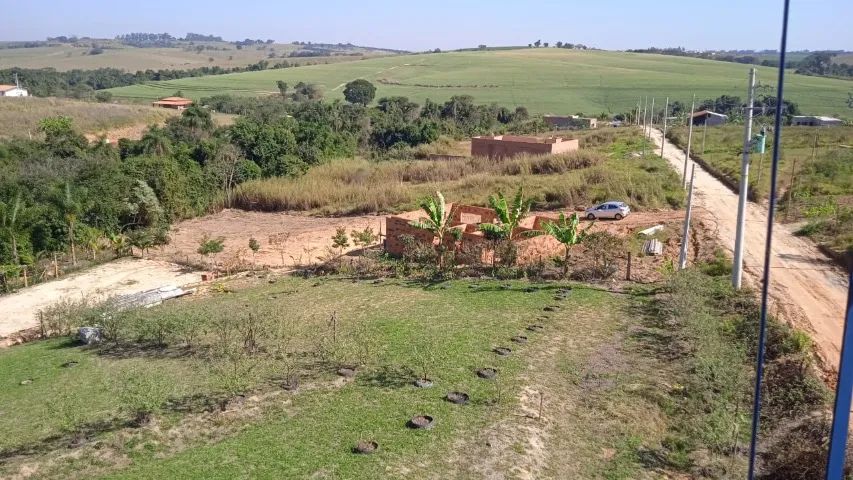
<point>544,80</point>
<point>65,57</point>
<point>815,174</point>
<point>20,116</point>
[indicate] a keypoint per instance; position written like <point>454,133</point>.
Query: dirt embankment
<point>808,289</point>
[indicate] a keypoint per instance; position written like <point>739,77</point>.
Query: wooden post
<point>55,266</point>
<point>628,273</point>
<point>26,283</point>
<point>791,188</point>
<point>541,401</point>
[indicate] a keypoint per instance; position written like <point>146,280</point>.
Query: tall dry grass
<point>358,186</point>
<point>20,116</point>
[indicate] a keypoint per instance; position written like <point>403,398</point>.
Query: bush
<point>104,97</point>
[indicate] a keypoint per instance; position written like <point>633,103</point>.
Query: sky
<point>429,24</point>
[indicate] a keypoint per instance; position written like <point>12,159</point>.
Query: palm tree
<point>437,221</point>
<point>70,209</point>
<point>565,231</point>
<point>9,220</point>
<point>155,142</point>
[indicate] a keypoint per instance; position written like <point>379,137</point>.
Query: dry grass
<point>604,170</point>
<point>20,116</point>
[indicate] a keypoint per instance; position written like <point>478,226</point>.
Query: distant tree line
<point>249,42</point>
<point>570,46</point>
<point>197,37</point>
<point>46,82</point>
<point>147,40</point>
<point>816,63</point>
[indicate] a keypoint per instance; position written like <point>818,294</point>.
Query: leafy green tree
<point>70,209</point>
<point>565,230</point>
<point>340,240</point>
<point>141,238</point>
<point>359,92</point>
<point>61,137</point>
<point>144,206</point>
<point>9,221</point>
<point>437,222</point>
<point>282,88</point>
<point>210,246</point>
<point>254,246</point>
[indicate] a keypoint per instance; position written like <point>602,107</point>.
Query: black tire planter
<point>365,447</point>
<point>487,373</point>
<point>423,383</point>
<point>549,308</point>
<point>70,364</point>
<point>346,372</point>
<point>502,351</point>
<point>535,328</point>
<point>520,339</point>
<point>421,422</point>
<point>458,398</point>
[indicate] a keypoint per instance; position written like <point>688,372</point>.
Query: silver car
<point>616,210</point>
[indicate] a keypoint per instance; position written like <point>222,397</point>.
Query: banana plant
<point>437,221</point>
<point>565,230</point>
<point>509,215</point>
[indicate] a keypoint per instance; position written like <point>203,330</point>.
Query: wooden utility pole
<point>685,236</point>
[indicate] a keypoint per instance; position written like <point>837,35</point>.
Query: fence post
<point>628,273</point>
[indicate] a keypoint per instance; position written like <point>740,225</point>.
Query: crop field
<point>68,57</point>
<point>544,80</point>
<point>20,116</point>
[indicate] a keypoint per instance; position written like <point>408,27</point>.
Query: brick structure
<point>504,146</point>
<point>468,218</point>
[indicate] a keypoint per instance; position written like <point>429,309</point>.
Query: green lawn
<point>545,80</point>
<point>631,385</point>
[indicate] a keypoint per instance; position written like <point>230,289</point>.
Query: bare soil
<point>127,275</point>
<point>808,289</point>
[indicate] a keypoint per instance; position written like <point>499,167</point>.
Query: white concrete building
<point>815,121</point>
<point>12,91</point>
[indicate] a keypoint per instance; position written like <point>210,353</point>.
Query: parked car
<point>616,210</point>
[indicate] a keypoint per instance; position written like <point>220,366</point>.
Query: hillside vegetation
<point>546,80</point>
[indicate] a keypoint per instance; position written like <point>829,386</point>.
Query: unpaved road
<point>19,311</point>
<point>808,289</point>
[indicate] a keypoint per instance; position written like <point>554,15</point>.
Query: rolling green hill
<point>545,80</point>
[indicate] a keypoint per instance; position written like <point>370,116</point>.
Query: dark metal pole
<point>843,393</point>
<point>765,284</point>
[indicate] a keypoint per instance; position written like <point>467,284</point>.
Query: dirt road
<point>807,288</point>
<point>19,310</point>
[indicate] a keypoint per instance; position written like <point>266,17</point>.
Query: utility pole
<point>651,119</point>
<point>685,237</point>
<point>737,270</point>
<point>663,139</point>
<point>689,140</point>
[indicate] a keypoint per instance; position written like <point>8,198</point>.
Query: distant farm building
<point>570,122</point>
<point>12,91</point>
<point>505,146</point>
<point>178,103</point>
<point>467,219</point>
<point>815,121</point>
<point>707,117</point>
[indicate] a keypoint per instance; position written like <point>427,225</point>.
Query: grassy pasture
<point>544,80</point>
<point>20,116</point>
<point>68,57</point>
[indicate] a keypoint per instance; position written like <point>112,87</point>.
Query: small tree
<point>278,242</point>
<point>364,238</point>
<point>340,240</point>
<point>208,246</point>
<point>437,222</point>
<point>509,216</point>
<point>282,88</point>
<point>142,238</point>
<point>565,231</point>
<point>254,246</point>
<point>359,92</point>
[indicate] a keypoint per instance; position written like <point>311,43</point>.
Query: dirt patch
<point>307,237</point>
<point>127,275</point>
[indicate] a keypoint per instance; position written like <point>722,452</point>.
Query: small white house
<point>815,121</point>
<point>12,91</point>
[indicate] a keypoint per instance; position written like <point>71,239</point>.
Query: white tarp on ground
<point>148,298</point>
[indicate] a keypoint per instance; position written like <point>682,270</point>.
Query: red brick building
<point>504,146</point>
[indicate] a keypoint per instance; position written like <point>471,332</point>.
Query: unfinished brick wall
<point>467,218</point>
<point>505,146</point>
